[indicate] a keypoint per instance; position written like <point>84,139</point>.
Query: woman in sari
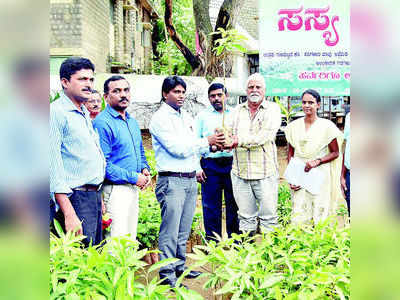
<point>315,141</point>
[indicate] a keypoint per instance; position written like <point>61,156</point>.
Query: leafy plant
<point>149,219</point>
<point>151,160</point>
<point>227,44</point>
<point>54,97</point>
<point>292,262</point>
<point>284,204</point>
<point>288,113</point>
<point>114,271</point>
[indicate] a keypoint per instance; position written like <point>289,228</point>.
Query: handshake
<point>221,140</point>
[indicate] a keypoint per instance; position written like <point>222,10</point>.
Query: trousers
<point>122,203</point>
<point>177,198</point>
<point>218,182</point>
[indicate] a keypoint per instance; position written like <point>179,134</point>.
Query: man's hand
<point>72,223</point>
<point>234,143</point>
<point>146,172</point>
<point>343,186</point>
<point>295,187</point>
<point>201,176</point>
<point>142,181</point>
<point>217,139</point>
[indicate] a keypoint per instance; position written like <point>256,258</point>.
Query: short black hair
<point>170,83</point>
<point>216,86</point>
<point>74,64</point>
<point>313,93</point>
<point>112,78</point>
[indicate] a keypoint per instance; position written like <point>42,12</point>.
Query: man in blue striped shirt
<point>77,164</point>
<point>215,176</point>
<point>127,169</point>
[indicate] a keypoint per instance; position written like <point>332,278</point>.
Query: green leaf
<point>162,263</point>
<point>58,228</point>
<point>270,281</point>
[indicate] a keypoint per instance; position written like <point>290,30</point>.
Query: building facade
<point>114,34</point>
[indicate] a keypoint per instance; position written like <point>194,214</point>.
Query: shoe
<point>192,274</point>
<point>171,283</point>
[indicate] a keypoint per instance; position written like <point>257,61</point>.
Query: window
<point>253,63</point>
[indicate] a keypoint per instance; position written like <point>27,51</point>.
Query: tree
<point>204,61</point>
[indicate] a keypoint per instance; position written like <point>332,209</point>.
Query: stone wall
<point>65,24</point>
<point>95,32</point>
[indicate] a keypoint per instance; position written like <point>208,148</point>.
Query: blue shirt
<point>176,146</point>
<point>122,145</point>
<point>75,155</point>
<point>346,134</point>
<point>206,122</point>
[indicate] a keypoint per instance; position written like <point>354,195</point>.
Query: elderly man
<point>127,170</point>
<point>254,125</point>
<point>177,150</point>
<point>77,163</point>
<point>93,105</point>
<point>215,176</point>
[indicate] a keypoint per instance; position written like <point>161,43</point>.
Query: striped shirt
<point>206,122</point>
<point>75,155</point>
<point>256,154</point>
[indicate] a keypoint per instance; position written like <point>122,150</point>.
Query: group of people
<point>98,165</point>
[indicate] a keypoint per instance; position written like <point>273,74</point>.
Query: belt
<point>88,188</point>
<point>178,174</point>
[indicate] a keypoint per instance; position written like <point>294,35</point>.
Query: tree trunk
<point>191,59</point>
<point>213,66</point>
<point>206,63</point>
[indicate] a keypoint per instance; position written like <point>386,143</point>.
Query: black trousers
<point>218,181</point>
<point>87,205</point>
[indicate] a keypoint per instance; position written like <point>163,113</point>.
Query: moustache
<point>87,90</point>
<point>123,99</point>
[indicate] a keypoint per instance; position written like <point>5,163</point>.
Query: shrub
<point>114,271</point>
<point>293,262</point>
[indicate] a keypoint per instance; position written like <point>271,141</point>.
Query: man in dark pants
<point>215,176</point>
<point>177,151</point>
<point>77,164</point>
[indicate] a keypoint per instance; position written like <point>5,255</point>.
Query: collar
<point>114,113</point>
<point>212,109</point>
<point>70,106</point>
<point>169,109</point>
<point>263,104</point>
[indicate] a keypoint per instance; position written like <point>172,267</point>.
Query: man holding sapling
<point>255,175</point>
<point>77,164</point>
<point>215,177</point>
<point>127,170</point>
<point>177,151</point>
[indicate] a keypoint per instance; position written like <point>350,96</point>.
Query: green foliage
<point>115,271</point>
<point>151,160</point>
<point>287,113</point>
<point>167,50</point>
<point>292,262</point>
<point>54,97</point>
<point>284,204</point>
<point>342,210</point>
<point>149,219</point>
<point>229,42</point>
